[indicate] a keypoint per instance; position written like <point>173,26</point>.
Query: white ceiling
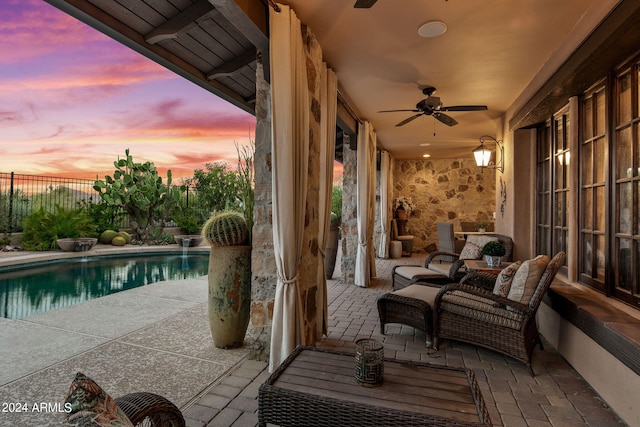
<point>490,53</point>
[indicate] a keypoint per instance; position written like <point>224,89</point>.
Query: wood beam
<point>233,66</point>
<point>181,23</point>
<point>250,18</point>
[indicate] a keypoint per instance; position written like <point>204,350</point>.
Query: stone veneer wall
<point>452,190</point>
<point>264,273</point>
<point>349,215</point>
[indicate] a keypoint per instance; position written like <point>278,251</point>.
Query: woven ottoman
<point>409,306</point>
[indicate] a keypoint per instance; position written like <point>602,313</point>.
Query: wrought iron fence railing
<point>21,194</point>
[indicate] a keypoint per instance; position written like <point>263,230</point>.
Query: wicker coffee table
<point>316,387</point>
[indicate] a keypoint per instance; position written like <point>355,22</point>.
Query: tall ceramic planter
<point>332,251</point>
<point>229,294</point>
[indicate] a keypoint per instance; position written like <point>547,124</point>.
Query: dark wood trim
<point>180,23</point>
<point>615,39</point>
<point>611,328</point>
<point>233,66</point>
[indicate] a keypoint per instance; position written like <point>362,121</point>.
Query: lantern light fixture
<point>482,154</point>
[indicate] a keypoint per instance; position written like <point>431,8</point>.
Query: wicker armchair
<point>148,409</point>
<point>439,267</point>
<point>472,314</point>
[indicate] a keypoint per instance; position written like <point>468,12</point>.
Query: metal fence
<point>21,194</point>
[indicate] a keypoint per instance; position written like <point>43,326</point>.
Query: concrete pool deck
<point>153,338</point>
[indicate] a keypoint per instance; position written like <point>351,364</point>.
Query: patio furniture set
<point>484,307</point>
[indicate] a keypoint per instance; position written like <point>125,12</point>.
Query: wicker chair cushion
<point>91,406</point>
<point>526,279</point>
<point>413,273</point>
<point>505,278</point>
<point>479,308</point>
<point>441,267</point>
<point>473,248</point>
<point>421,292</point>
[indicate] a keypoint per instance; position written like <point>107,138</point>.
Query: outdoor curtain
<point>290,158</point>
<point>328,111</point>
<point>386,184</point>
<point>365,201</point>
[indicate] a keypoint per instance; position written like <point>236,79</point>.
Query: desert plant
<point>43,228</point>
<point>139,190</point>
<point>245,182</point>
<point>494,249</point>
<point>226,229</point>
<point>336,202</point>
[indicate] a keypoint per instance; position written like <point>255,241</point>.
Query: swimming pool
<point>39,287</point>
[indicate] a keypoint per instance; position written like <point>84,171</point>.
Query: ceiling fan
<point>432,106</point>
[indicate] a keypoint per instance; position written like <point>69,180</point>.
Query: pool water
<point>40,287</point>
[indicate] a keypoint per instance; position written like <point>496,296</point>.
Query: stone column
<point>349,215</point>
<point>263,277</point>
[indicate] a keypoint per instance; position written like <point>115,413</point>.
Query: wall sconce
<point>483,154</point>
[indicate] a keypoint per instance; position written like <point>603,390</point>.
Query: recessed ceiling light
<point>425,144</point>
<point>432,29</point>
<point>426,155</point>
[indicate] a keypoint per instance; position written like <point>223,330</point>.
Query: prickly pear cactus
<point>226,229</point>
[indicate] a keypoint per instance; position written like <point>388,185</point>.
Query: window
<point>607,227</point>
<point>593,168</point>
<point>553,159</point>
<point>626,197</point>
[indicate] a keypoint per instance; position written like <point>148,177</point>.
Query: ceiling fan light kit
<point>482,154</point>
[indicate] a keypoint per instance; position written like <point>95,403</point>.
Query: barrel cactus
<point>226,229</point>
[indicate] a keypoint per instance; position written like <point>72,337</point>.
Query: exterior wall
<point>452,190</point>
<point>611,379</point>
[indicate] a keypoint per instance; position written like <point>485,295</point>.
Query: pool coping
<point>24,257</point>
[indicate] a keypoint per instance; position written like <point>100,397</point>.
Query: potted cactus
<point>229,278</point>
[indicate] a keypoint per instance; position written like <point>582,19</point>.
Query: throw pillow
<point>91,406</point>
<point>526,279</point>
<point>473,248</point>
<point>505,278</point>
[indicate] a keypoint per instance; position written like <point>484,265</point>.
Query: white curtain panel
<point>371,194</point>
<point>385,209</point>
<point>328,111</point>
<point>290,158</point>
<point>365,202</point>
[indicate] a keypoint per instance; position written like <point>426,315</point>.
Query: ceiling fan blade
<point>405,121</point>
<point>447,120</point>
<point>364,4</point>
<point>464,108</point>
<point>399,111</point>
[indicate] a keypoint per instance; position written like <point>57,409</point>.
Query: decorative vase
<point>401,213</point>
<point>482,230</point>
<point>331,253</point>
<point>493,261</point>
<point>229,294</point>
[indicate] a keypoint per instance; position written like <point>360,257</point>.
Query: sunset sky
<point>73,100</point>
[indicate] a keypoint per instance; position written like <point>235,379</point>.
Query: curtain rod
<point>274,5</point>
<point>345,103</point>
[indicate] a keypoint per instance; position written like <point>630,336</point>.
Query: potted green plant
<point>482,227</point>
<point>229,278</point>
<point>493,253</point>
